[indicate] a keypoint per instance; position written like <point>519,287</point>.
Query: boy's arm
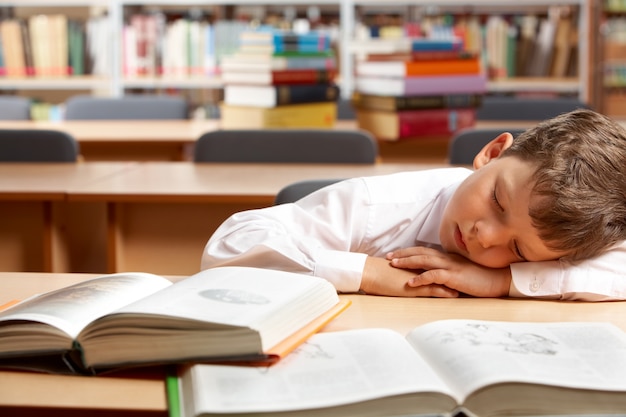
<point>602,278</point>
<point>598,279</point>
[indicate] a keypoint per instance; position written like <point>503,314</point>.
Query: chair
<point>297,190</point>
<point>464,146</point>
<point>34,145</point>
<point>14,108</point>
<point>137,107</point>
<point>510,108</point>
<point>345,110</point>
<point>287,145</point>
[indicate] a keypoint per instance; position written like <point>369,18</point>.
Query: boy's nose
<point>490,235</point>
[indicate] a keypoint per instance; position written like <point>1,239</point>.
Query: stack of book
<point>432,91</point>
<point>280,79</point>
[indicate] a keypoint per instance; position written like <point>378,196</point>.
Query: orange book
<point>418,68</point>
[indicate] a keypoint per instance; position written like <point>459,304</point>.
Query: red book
<point>280,77</point>
<point>389,125</point>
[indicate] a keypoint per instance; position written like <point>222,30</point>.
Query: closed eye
<point>494,197</point>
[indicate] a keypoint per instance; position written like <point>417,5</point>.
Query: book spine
<point>304,76</point>
<point>308,62</point>
<point>434,122</point>
<point>399,103</point>
<point>294,94</point>
<point>450,84</point>
<point>422,44</point>
<point>443,67</point>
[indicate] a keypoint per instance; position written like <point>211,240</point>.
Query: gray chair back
<point>14,108</point>
<point>287,145</point>
<point>510,108</point>
<point>137,107</point>
<point>34,145</point>
<point>295,191</point>
<point>464,146</point>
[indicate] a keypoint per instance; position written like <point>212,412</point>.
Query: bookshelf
<point>574,82</point>
<point>344,14</point>
<point>613,68</point>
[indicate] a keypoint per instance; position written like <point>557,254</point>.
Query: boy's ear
<point>493,149</point>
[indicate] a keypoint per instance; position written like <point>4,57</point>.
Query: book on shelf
<point>307,115</point>
<point>388,125</point>
<point>278,95</point>
<point>278,77</point>
<point>132,319</point>
<point>422,85</point>
<point>398,103</point>
<point>418,68</point>
<point>274,40</point>
<point>451,43</point>
<point>445,367</point>
<point>268,62</point>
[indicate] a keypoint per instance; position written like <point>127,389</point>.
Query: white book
<point>482,368</point>
<point>117,320</point>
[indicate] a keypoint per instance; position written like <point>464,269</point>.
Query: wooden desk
<point>27,394</point>
<point>173,140</point>
<point>161,214</point>
<point>33,212</point>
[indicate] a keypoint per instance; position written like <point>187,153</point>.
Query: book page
<point>275,303</point>
<point>469,354</point>
<point>329,369</point>
<point>72,308</point>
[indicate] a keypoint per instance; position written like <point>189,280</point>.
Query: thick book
<point>399,103</point>
<point>422,85</point>
<point>308,115</point>
<point>278,95</point>
<point>418,68</point>
<point>279,41</point>
<point>470,367</point>
<point>407,124</point>
<point>266,62</point>
<point>280,77</point>
<point>137,319</point>
<point>436,44</point>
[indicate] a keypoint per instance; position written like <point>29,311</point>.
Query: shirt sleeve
<point>602,278</point>
<point>312,236</point>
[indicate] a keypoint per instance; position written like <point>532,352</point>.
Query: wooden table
<point>33,212</point>
<point>35,394</point>
<point>161,214</point>
<point>173,140</point>
<point>153,216</point>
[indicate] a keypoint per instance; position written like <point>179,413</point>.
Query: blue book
<point>428,44</point>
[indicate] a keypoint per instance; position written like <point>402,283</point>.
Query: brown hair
<point>581,181</point>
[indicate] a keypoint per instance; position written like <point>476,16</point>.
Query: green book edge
<point>173,394</point>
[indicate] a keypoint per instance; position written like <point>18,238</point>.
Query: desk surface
<point>173,140</point>
<point>206,182</point>
<point>50,181</point>
<point>66,392</point>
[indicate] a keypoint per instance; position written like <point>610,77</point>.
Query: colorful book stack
<point>280,79</point>
<point>434,92</point>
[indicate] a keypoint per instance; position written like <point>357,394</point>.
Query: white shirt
<point>331,232</point>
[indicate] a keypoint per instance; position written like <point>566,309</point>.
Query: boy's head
<point>557,190</point>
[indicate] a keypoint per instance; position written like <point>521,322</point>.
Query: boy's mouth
<point>458,238</point>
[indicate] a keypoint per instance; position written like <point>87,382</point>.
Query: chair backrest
<point>510,108</point>
<point>133,107</point>
<point>297,190</point>
<point>345,110</point>
<point>287,145</point>
<point>34,145</point>
<point>464,146</point>
<point>14,108</point>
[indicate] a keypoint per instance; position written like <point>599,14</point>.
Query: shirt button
<point>534,286</point>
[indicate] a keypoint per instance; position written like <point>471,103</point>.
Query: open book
<point>118,320</point>
<point>481,368</point>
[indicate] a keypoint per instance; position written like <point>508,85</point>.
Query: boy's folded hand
<point>452,271</point>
